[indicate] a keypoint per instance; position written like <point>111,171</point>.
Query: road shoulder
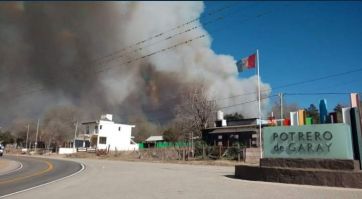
<point>8,166</point>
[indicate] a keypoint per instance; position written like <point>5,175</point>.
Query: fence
<point>220,152</point>
<point>179,144</point>
<point>185,151</point>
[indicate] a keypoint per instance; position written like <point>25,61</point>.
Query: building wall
<point>91,128</point>
<point>247,138</point>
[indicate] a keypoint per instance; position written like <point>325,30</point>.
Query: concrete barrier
<point>67,150</point>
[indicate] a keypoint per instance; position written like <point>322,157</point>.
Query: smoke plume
<point>52,54</point>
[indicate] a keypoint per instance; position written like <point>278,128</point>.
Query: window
<point>87,130</point>
<point>219,137</point>
<point>102,140</point>
<point>100,127</point>
<point>119,128</point>
<point>96,128</point>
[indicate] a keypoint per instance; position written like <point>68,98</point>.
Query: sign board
<point>327,141</point>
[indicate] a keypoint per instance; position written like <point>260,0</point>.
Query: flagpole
<point>259,104</point>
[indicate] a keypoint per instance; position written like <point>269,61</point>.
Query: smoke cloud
<point>48,53</point>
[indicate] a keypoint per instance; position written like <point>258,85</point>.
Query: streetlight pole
<point>281,105</point>
<point>27,137</point>
<point>192,144</point>
<point>75,134</point>
<point>36,136</point>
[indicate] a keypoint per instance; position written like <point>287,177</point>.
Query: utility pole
<point>281,105</point>
<point>75,134</point>
<point>192,144</point>
<point>27,137</point>
<point>36,136</point>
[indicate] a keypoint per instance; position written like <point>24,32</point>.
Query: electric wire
<point>159,51</point>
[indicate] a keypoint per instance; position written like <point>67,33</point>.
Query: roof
<point>98,121</point>
<point>154,138</point>
<point>234,129</point>
<point>90,122</point>
<point>248,121</point>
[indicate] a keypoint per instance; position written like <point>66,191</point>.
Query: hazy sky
<point>297,41</point>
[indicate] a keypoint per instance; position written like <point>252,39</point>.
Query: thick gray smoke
<point>48,53</point>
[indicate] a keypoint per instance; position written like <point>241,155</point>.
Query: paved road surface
<point>128,180</point>
<point>35,171</point>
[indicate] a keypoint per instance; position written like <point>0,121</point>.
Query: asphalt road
<point>138,180</point>
<point>35,171</point>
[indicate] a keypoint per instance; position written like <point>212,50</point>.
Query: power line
<point>342,93</point>
<point>247,102</point>
<point>138,43</point>
<point>278,87</point>
<point>320,78</point>
<point>160,119</point>
<point>174,35</point>
<point>188,41</point>
<point>100,62</point>
<point>294,83</point>
<point>159,51</point>
<point>334,86</point>
<point>156,52</point>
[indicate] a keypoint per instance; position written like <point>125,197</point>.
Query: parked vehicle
<point>1,150</point>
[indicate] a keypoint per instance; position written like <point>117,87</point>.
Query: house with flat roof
<point>105,134</point>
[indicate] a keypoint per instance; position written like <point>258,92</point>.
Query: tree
<point>59,125</point>
<point>313,112</point>
<point>18,129</point>
<point>6,138</point>
<point>338,110</point>
<point>287,108</point>
<point>195,111</point>
<point>144,129</point>
<point>93,140</point>
<point>171,135</point>
<point>233,117</point>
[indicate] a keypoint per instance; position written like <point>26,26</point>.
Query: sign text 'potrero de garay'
<point>332,141</point>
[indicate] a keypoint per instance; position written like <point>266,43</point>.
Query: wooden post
<point>239,152</point>
<point>183,154</point>
<point>244,154</point>
<point>203,152</point>
<point>219,151</point>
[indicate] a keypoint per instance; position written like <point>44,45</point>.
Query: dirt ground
<point>3,164</point>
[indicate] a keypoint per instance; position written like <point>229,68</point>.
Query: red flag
<point>246,63</point>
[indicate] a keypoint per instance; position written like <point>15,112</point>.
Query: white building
<point>106,134</point>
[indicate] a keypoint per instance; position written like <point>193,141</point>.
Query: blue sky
<point>297,41</point>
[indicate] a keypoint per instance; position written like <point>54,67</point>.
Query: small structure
<point>151,141</point>
<point>245,131</point>
<point>105,134</point>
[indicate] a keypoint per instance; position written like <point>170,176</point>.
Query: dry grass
<point>156,155</point>
<point>142,157</point>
